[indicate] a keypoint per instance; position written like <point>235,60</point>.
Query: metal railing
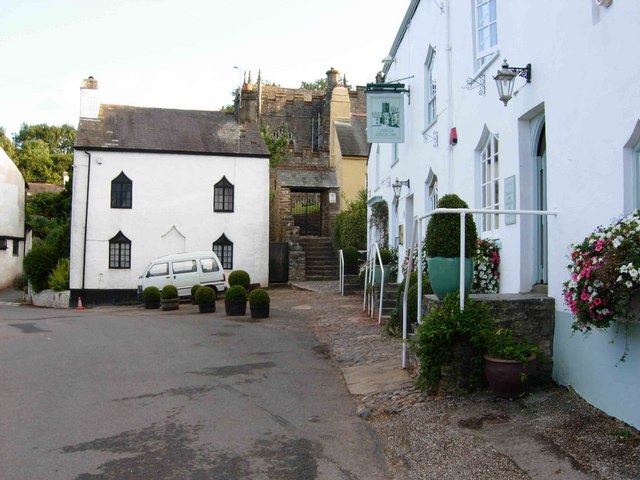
<point>417,230</point>
<point>341,272</point>
<point>373,254</point>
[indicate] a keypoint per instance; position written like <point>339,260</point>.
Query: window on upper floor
<point>223,248</point>
<point>223,193</point>
<point>119,251</point>
<point>489,183</point>
<point>121,192</point>
<point>3,243</point>
<point>485,31</point>
<point>16,247</point>
<point>431,114</point>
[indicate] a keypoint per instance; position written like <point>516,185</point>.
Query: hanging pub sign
<point>385,113</point>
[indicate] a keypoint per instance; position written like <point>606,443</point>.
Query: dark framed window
<point>3,243</point>
<point>120,252</point>
<point>16,247</point>
<point>223,193</point>
<point>121,192</point>
<point>223,248</point>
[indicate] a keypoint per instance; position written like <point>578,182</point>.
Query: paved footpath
<point>551,434</point>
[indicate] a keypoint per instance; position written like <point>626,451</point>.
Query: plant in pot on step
<point>350,255</point>
<point>169,298</point>
<point>386,257</point>
<point>443,248</point>
<point>259,303</point>
<point>235,300</point>
<point>194,289</point>
<point>509,363</point>
<point>151,297</point>
<point>206,299</point>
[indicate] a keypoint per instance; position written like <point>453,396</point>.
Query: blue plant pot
<point>444,274</point>
<point>377,273</point>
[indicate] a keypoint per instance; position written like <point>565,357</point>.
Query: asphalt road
<point>124,393</point>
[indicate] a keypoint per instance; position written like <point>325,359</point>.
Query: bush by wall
<point>38,264</point>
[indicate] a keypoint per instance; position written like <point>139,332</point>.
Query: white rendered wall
<point>12,197</point>
<point>584,82</point>
<point>169,192</point>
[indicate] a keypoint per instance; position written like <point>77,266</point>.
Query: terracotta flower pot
<point>509,378</point>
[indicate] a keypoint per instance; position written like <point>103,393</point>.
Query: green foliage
<point>501,344</point>
<point>239,277</point>
<point>444,326</point>
<point>350,255</point>
<point>386,256</point>
<point>259,296</point>
<point>205,295</point>
<point>194,289</point>
<point>230,108</point>
<point>319,84</point>
<point>42,152</point>
<point>59,277</point>
<point>350,227</point>
<point>38,264</point>
<point>278,145</point>
<point>443,231</point>
<point>412,296</point>
<point>20,282</point>
<point>379,219</point>
<point>168,292</point>
<point>6,144</point>
<point>151,294</point>
<point>236,293</point>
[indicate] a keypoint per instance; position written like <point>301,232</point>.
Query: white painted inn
<point>567,142</point>
<point>149,182</point>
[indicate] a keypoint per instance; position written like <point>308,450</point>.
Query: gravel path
<point>551,434</point>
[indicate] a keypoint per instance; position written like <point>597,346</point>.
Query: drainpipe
<point>86,221</point>
<point>449,96</point>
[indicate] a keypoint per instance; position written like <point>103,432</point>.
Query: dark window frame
<point>223,248</point>
<point>223,196</point>
<point>122,192</point>
<point>16,247</point>
<point>119,252</point>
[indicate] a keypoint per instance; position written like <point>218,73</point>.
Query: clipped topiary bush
<point>443,231</point>
<point>205,295</point>
<point>59,278</point>
<point>236,293</point>
<point>38,264</point>
<point>259,296</point>
<point>386,256</point>
<point>151,294</point>
<point>239,277</point>
<point>194,289</point>
<point>169,291</point>
<point>350,255</point>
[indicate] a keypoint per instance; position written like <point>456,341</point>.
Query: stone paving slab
<point>376,377</point>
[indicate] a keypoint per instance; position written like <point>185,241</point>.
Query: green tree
<point>43,152</point>
<point>350,228</point>
<point>6,144</point>
<point>319,84</point>
<point>278,145</point>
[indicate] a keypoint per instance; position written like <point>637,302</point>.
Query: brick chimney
<point>332,78</point>
<point>89,99</point>
<point>249,99</point>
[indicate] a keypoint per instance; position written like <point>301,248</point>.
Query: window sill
<point>393,164</point>
<point>429,126</point>
<point>486,66</point>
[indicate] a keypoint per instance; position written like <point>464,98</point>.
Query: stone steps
<point>321,260</point>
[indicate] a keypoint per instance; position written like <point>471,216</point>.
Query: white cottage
<point>12,227</point>
<point>566,142</point>
<point>151,181</point>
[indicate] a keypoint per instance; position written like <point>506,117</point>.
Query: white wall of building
<point>172,207</point>
<point>584,87</point>
<point>12,198</point>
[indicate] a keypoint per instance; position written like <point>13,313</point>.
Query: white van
<point>184,270</point>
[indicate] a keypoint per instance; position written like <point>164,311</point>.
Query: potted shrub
<point>205,298</point>
<point>443,248</point>
<point>235,300</point>
<point>194,289</point>
<point>350,255</point>
<point>239,277</point>
<point>509,363</point>
<point>169,298</point>
<point>259,303</point>
<point>151,297</point>
<point>386,256</point>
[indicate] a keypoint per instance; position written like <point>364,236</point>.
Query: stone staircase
<point>321,260</point>
<point>388,301</point>
<point>352,285</point>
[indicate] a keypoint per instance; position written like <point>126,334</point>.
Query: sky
<point>179,53</point>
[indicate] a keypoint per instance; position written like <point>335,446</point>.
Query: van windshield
<point>158,269</point>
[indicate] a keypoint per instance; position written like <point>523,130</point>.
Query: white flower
<point>628,284</point>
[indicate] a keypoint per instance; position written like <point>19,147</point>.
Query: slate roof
<point>352,137</point>
<point>121,127</point>
<point>303,178</point>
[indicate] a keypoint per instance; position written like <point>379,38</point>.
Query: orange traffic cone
<point>79,307</point>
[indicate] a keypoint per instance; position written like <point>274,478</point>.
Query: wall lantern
<point>506,77</point>
<point>397,187</point>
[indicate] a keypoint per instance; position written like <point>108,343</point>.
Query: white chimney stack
<point>89,101</point>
